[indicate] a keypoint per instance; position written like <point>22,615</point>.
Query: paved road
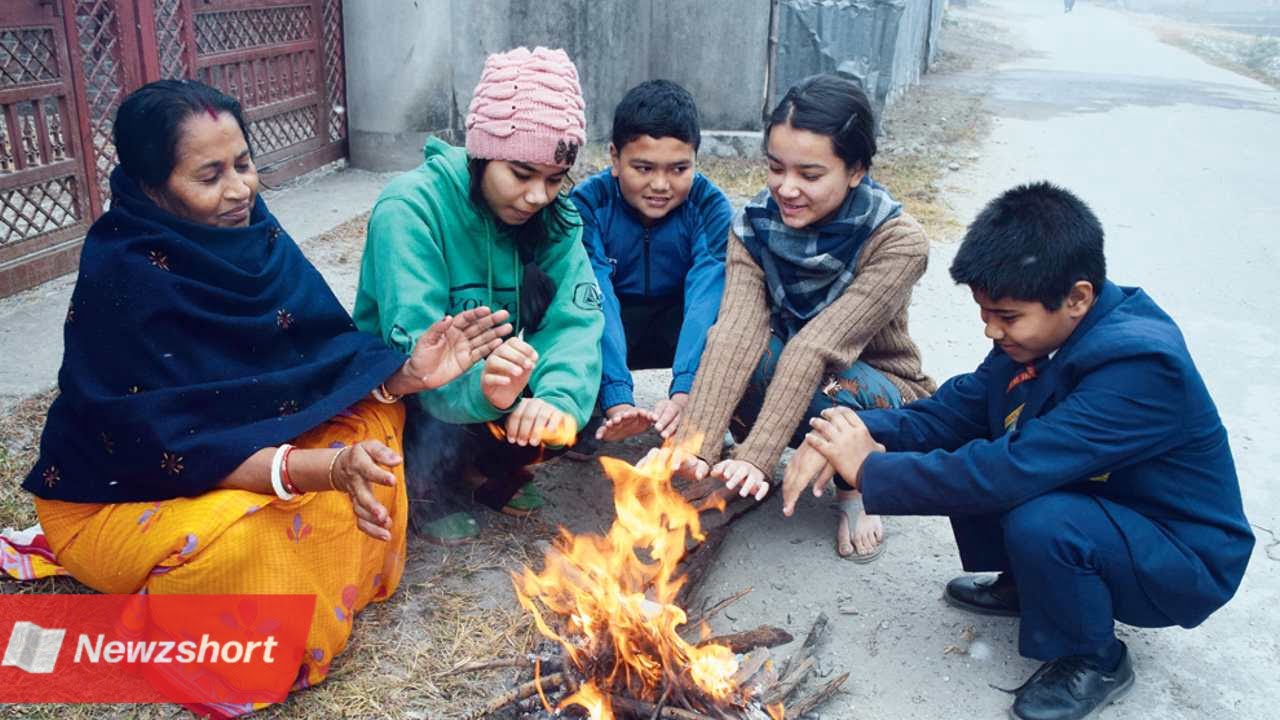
<point>1179,159</point>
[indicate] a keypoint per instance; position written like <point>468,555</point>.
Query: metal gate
<point>65,65</point>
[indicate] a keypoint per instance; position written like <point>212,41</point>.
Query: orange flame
<point>590,698</point>
<point>776,711</point>
<point>614,595</point>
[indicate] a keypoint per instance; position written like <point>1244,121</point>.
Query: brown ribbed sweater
<point>868,322</point>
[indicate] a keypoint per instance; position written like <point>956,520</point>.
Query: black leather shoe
<point>1071,688</point>
<point>984,595</point>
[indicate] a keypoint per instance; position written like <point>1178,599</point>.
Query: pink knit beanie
<point>528,107</point>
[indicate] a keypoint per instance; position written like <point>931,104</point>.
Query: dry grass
<point>402,653</point>
<point>19,446</point>
<point>1241,53</point>
<point>398,664</point>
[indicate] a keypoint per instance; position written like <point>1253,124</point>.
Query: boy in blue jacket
<point>1083,461</point>
<point>655,231</point>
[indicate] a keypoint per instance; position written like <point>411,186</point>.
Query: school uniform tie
<point>1019,389</point>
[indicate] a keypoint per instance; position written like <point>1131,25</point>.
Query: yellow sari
<point>236,541</point>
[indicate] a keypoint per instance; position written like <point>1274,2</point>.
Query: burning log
<point>765,636</point>
<point>614,604</point>
<point>753,663</point>
<point>787,685</point>
<point>697,562</point>
<point>639,708</point>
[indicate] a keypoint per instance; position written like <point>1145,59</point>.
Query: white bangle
<point>277,483</point>
<point>381,395</point>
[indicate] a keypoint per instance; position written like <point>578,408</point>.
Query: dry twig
<point>810,702</point>
<point>525,691</point>
<point>477,666</point>
<point>702,617</point>
<point>639,707</point>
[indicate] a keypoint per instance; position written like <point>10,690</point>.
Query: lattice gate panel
<point>104,61</point>
<point>172,44</point>
<point>335,76</point>
<point>31,140</point>
<point>66,65</point>
<point>283,61</point>
<point>43,208</point>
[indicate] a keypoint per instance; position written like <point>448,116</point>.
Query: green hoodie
<point>431,251</point>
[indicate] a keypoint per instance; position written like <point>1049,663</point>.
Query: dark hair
<point>1034,242</point>
<point>834,106</point>
<point>148,123</point>
<point>657,108</point>
<point>558,217</point>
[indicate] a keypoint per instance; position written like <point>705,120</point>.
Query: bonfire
<point>612,605</point>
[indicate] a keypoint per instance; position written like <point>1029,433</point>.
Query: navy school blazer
<point>1119,413</point>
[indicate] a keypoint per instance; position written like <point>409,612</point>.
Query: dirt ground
<point>456,605</point>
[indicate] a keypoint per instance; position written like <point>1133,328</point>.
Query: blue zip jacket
<point>1119,414</point>
<point>682,253</point>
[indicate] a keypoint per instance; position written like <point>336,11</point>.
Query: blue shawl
<point>805,270</point>
<point>187,349</point>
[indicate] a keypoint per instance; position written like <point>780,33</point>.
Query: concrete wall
<point>718,50</point>
<point>412,64</point>
<point>399,78</point>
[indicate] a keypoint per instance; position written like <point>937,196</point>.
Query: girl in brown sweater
<point>818,277</point>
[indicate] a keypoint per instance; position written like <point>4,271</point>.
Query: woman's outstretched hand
<point>449,348</point>
<point>355,473</point>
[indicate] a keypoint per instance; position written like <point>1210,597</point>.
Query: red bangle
<point>284,473</point>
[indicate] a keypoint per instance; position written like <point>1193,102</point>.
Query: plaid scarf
<point>807,269</point>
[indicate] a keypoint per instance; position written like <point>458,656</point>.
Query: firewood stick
<point>697,562</point>
<point>749,666</point>
<point>765,636</point>
<point>810,702</point>
<point>702,617</point>
<point>639,707</point>
<point>787,684</point>
<point>525,691</point>
<point>816,633</point>
<point>515,662</point>
<point>662,701</point>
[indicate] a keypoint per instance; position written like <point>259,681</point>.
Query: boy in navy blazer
<point>1083,461</point>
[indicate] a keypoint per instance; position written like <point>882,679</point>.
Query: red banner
<point>207,649</point>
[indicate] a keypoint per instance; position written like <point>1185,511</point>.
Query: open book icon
<point>33,648</point>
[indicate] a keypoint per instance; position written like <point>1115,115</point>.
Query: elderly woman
<point>222,426</point>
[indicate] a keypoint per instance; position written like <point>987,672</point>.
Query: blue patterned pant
<point>858,387</point>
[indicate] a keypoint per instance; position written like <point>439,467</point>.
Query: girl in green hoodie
<point>491,226</point>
